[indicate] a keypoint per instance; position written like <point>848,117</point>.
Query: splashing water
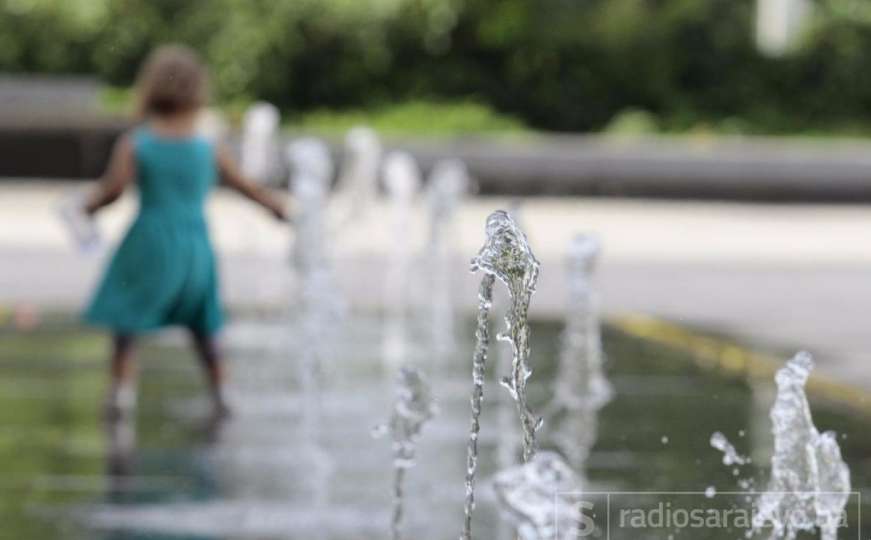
<point>537,498</point>
<point>730,455</point>
<point>448,183</point>
<point>413,408</point>
<point>505,255</point>
<point>581,388</point>
<point>810,483</point>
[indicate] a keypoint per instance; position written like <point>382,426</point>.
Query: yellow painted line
<point>723,356</point>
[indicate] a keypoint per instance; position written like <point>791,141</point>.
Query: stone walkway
<point>782,277</point>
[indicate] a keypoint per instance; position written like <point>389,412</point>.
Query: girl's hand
<point>279,212</point>
<point>232,177</point>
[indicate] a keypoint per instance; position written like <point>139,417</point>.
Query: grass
<point>440,119</point>
<point>634,122</point>
<point>419,117</point>
<point>116,100</point>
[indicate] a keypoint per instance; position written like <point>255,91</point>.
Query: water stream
<point>402,180</point>
<point>414,406</point>
<point>258,150</point>
<point>448,183</point>
<point>506,255</point>
<point>357,186</point>
<point>581,388</point>
<point>316,306</point>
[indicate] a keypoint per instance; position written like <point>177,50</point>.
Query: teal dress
<point>164,272</point>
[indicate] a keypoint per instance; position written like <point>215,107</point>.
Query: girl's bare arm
<point>119,173</point>
<point>232,177</point>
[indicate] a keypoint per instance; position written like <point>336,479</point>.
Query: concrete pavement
<point>780,277</point>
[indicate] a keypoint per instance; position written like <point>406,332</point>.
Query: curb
<point>728,358</point>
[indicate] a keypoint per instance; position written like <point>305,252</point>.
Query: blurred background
<point>684,132</point>
<point>717,149</point>
<point>676,66</point>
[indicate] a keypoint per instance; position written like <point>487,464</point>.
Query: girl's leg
<point>213,365</point>
<point>121,400</point>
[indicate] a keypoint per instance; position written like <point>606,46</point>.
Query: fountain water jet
<point>508,451</point>
<point>311,169</point>
<point>402,180</point>
<point>505,255</point>
<point>259,161</point>
<point>810,483</point>
<point>258,141</point>
<point>319,306</point>
<point>414,407</point>
<point>448,182</point>
<point>581,388</point>
<point>357,186</point>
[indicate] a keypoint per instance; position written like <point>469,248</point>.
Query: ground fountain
<point>258,151</point>
<point>539,498</point>
<point>506,255</point>
<point>414,406</point>
<point>273,474</point>
<point>260,162</point>
<point>509,432</point>
<point>402,181</point>
<point>311,169</point>
<point>448,183</point>
<point>357,186</point>
<point>581,388</point>
<point>810,483</point>
<point>317,304</point>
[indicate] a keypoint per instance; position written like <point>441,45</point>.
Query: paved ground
<point>783,277</point>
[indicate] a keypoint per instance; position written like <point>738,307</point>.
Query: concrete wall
<point>751,169</point>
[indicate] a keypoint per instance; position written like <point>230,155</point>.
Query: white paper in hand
<point>82,228</point>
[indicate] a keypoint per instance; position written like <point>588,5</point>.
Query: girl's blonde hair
<point>172,80</point>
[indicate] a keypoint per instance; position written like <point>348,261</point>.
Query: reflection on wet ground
<point>172,474</point>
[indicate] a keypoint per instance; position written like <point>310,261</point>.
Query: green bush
<point>551,64</point>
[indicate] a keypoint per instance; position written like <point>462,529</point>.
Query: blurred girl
<point>163,273</point>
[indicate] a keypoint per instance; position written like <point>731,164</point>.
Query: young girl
<point>163,273</point>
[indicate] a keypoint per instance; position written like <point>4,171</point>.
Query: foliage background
<point>567,65</point>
